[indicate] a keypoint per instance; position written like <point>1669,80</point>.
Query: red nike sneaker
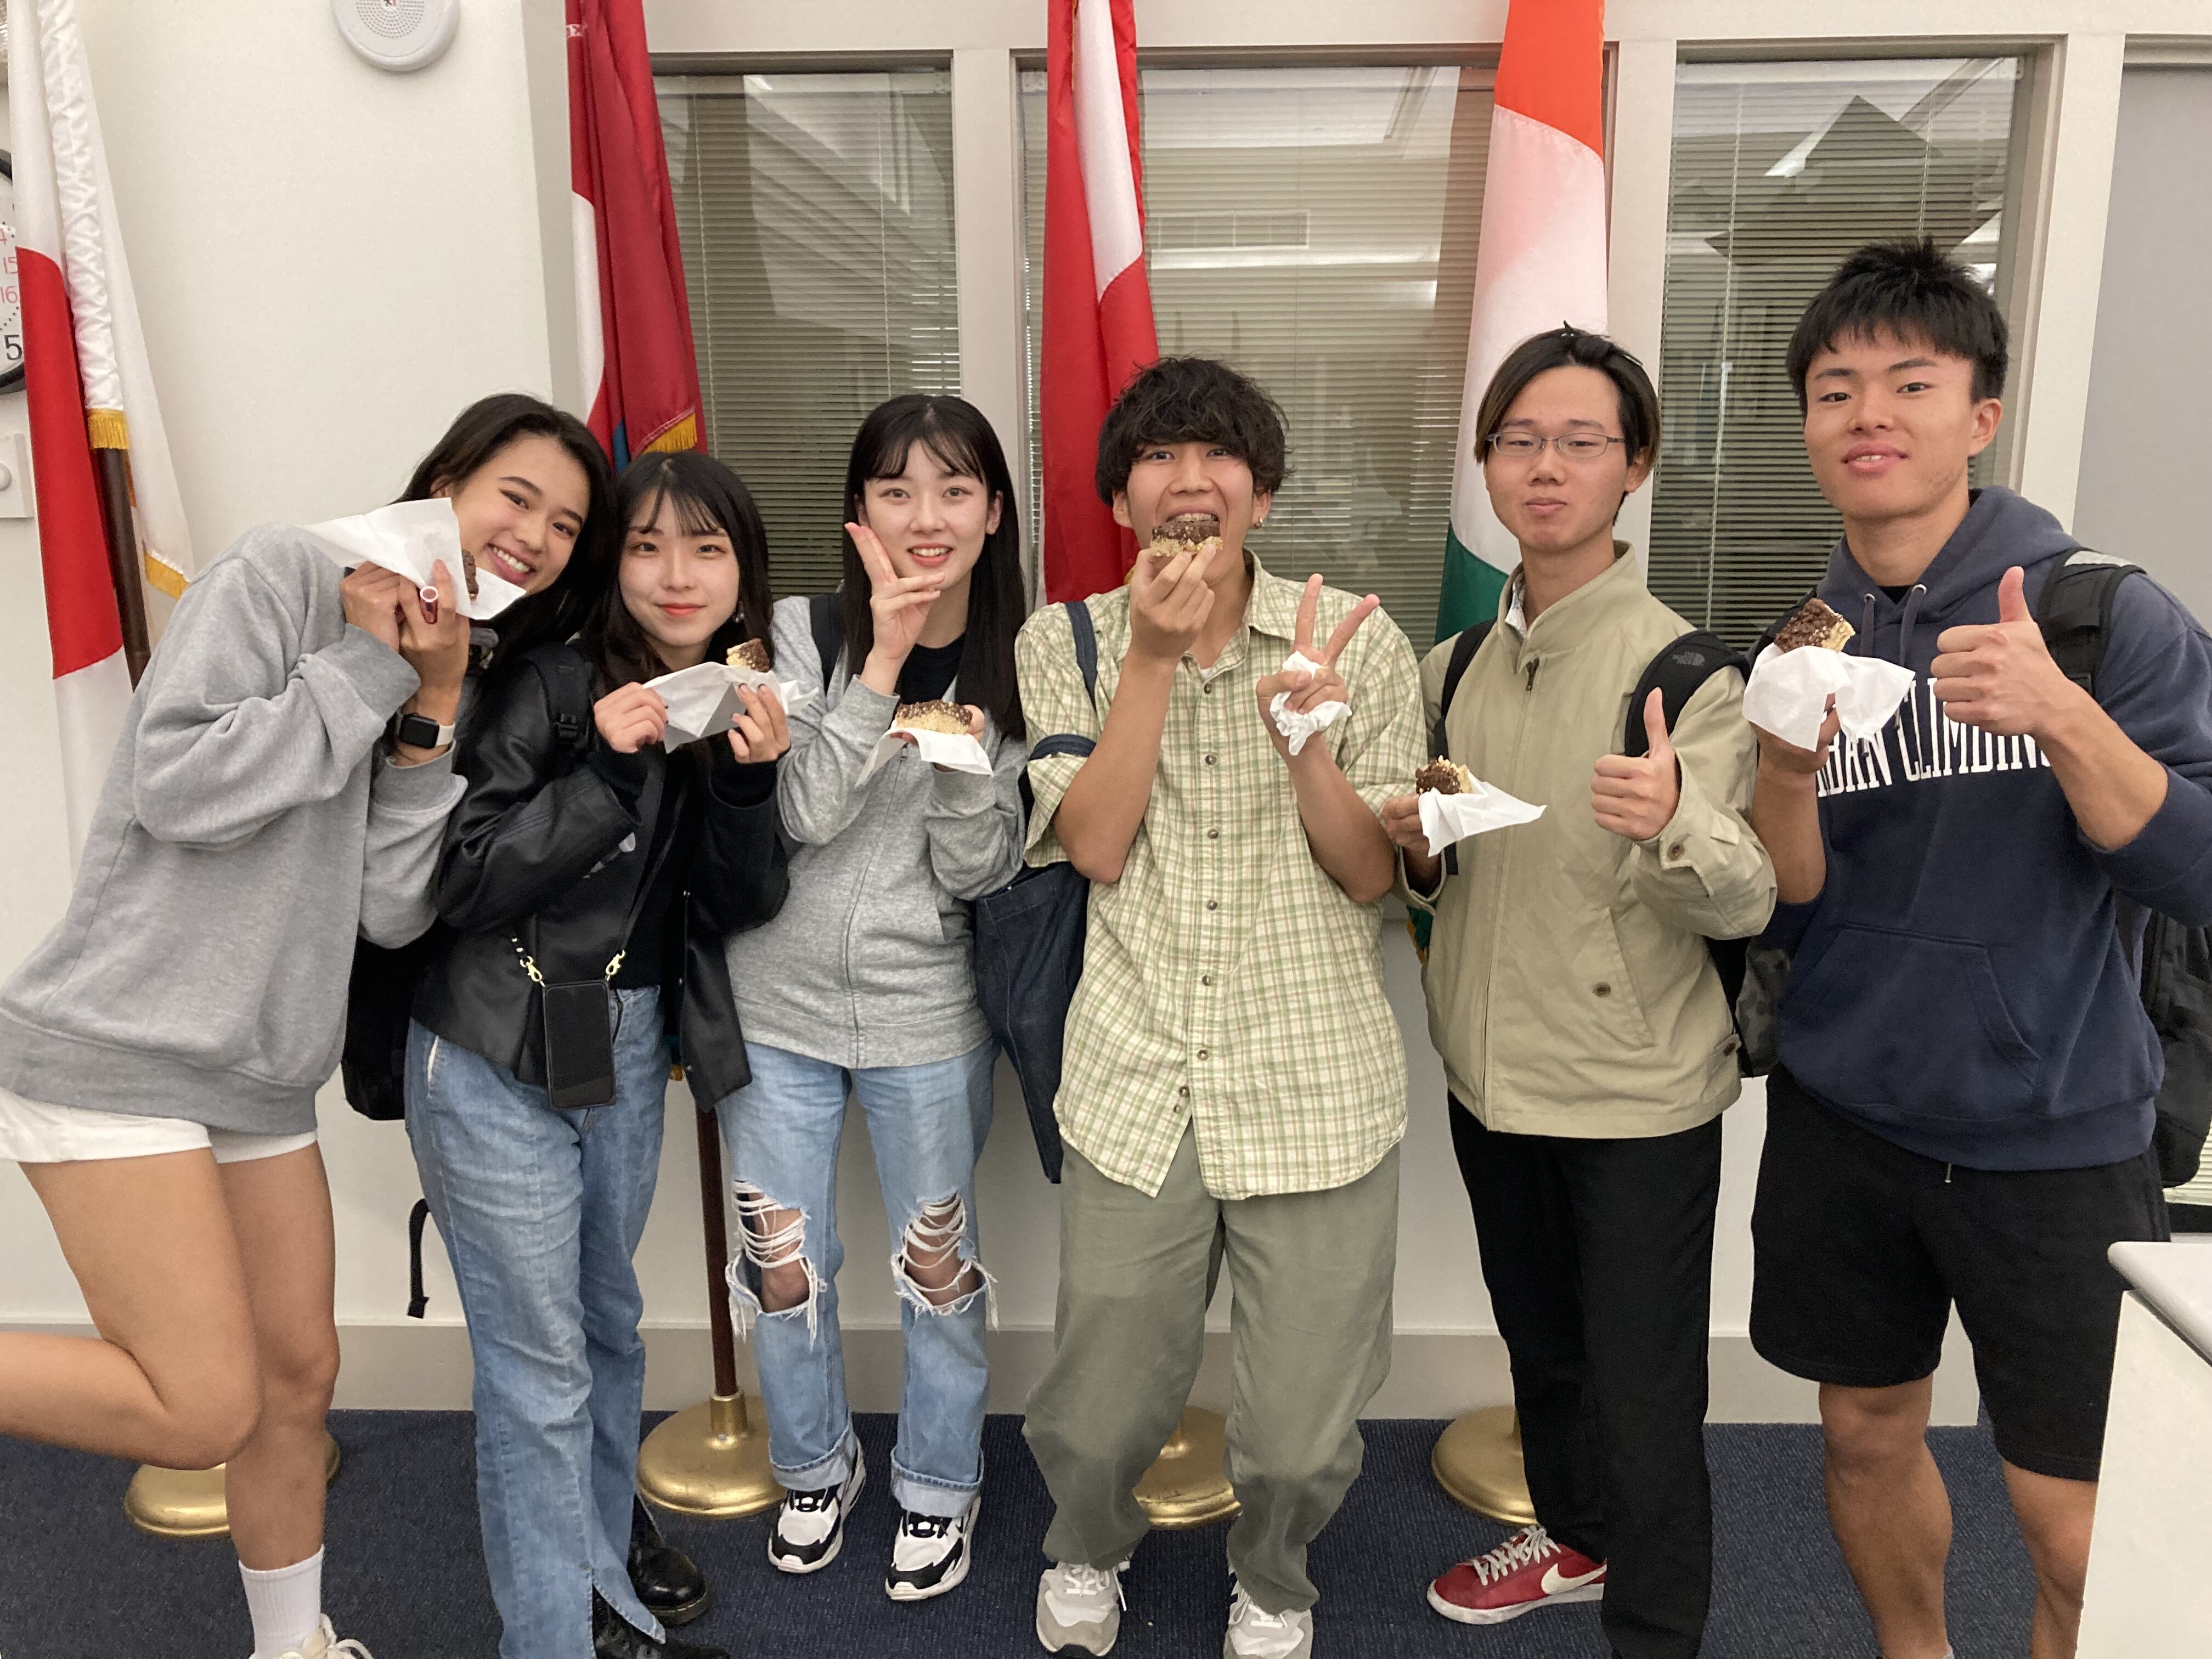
<point>1529,1570</point>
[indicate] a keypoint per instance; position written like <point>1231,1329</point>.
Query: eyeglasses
<point>1518,445</point>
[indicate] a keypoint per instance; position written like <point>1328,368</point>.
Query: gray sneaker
<point>1079,1607</point>
<point>1254,1634</point>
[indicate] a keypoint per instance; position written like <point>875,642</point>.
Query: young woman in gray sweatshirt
<point>865,982</point>
<point>161,1050</point>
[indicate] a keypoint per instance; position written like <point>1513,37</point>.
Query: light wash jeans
<point>928,1124</point>
<point>541,1212</point>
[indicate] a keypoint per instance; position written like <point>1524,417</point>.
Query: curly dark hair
<point>1912,290</point>
<point>1192,400</point>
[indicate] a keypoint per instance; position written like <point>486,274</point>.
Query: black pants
<point>1599,1258</point>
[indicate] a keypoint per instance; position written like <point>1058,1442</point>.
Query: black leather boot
<point>614,1636</point>
<point>666,1580</point>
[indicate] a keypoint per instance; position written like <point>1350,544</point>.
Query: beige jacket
<point>1569,990</point>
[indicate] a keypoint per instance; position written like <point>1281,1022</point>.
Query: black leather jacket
<point>549,847</point>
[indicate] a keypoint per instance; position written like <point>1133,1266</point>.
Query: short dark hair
<point>708,500</point>
<point>963,440</point>
<point>479,432</point>
<point>1569,347</point>
<point>1180,400</point>
<point>1911,289</point>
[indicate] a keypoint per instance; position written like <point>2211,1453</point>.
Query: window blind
<point>815,212</point>
<point>1316,229</point>
<point>1779,170</point>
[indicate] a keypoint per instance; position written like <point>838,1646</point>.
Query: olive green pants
<point>1311,1277</point>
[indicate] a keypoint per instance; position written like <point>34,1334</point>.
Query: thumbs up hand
<point>1635,796</point>
<point>1999,676</point>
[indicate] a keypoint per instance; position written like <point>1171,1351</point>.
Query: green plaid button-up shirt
<point>1228,982</point>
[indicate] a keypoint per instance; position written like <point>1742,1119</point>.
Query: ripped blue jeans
<point>928,1124</point>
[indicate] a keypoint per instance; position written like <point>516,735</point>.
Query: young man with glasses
<point>1963,1107</point>
<point>1586,1039</point>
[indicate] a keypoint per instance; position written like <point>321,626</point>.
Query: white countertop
<point>2176,1279</point>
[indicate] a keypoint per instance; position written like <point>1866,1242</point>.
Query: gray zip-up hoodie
<point>249,828</point>
<point>870,962</point>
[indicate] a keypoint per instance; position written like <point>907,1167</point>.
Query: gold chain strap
<point>530,966</point>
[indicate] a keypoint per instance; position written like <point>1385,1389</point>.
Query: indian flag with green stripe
<point>1541,261</point>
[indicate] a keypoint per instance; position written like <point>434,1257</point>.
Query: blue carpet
<point>406,1572</point>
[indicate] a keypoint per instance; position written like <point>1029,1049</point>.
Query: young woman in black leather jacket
<point>588,878</point>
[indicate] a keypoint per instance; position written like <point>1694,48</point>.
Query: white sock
<point>286,1606</point>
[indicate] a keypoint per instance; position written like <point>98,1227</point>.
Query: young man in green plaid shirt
<point>1234,1085</point>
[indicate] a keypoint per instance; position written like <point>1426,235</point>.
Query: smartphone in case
<point>579,1044</point>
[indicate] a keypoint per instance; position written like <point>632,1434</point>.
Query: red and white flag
<point>1098,303</point>
<point>97,444</point>
<point>633,316</point>
<point>1542,260</point>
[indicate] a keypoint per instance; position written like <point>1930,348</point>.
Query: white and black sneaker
<point>809,1528</point>
<point>930,1554</point>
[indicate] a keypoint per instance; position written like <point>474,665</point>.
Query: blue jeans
<point>541,1212</point>
<point>927,1124</point>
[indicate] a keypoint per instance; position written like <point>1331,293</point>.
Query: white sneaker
<point>324,1644</point>
<point>1254,1634</point>
<point>1079,1607</point>
<point>930,1553</point>
<point>810,1527</point>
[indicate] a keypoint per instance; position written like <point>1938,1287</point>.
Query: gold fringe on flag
<point>108,429</point>
<point>684,434</point>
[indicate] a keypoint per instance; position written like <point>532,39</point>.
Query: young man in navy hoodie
<point>1963,1107</point>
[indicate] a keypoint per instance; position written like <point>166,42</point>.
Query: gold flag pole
<point>711,1460</point>
<point>1477,1461</point>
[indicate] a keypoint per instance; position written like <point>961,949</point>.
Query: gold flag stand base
<point>1187,1484</point>
<point>1478,1464</point>
<point>190,1502</point>
<point>709,1461</point>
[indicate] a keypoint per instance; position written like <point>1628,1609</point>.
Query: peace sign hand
<point>899,604</point>
<point>1308,690</point>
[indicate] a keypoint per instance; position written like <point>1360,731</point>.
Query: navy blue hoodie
<point>1959,987</point>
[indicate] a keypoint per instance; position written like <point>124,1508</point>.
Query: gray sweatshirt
<point>250,824</point>
<point>870,961</point>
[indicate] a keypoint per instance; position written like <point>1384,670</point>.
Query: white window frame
<point>2075,52</point>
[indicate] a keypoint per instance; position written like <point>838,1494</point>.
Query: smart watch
<point>421,731</point>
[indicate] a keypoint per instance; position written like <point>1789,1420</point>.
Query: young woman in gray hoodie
<point>161,1050</point>
<point>865,983</point>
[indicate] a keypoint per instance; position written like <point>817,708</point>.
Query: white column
<point>1641,160</point>
<point>2051,378</point>
<point>987,215</point>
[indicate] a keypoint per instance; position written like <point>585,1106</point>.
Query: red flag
<point>1098,303</point>
<point>633,317</point>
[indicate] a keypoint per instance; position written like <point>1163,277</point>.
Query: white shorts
<point>31,1132</point>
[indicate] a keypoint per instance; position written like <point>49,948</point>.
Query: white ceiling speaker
<point>397,34</point>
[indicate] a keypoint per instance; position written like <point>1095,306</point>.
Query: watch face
<point>11,284</point>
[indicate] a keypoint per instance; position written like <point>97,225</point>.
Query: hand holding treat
<point>1198,534</point>
<point>1635,795</point>
<point>1307,693</point>
<point>1169,600</point>
<point>629,717</point>
<point>1449,804</point>
<point>949,736</point>
<point>434,640</point>
<point>1804,689</point>
<point>759,733</point>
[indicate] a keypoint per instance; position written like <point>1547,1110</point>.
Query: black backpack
<point>380,991</point>
<point>1029,935</point>
<point>1676,672</point>
<point>2075,611</point>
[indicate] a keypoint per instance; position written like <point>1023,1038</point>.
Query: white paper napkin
<point>702,700</point>
<point>955,754</point>
<point>1788,693</point>
<point>1447,818</point>
<point>406,537</point>
<point>1298,727</point>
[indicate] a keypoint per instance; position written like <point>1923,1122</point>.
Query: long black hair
<point>955,431</point>
<point>708,500</point>
<point>479,432</point>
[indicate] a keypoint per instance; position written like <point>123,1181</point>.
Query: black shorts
<point>1860,1248</point>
